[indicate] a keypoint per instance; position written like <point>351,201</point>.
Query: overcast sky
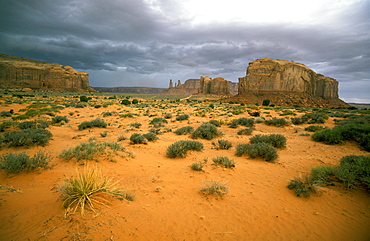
<point>149,42</point>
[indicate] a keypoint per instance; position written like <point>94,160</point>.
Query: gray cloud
<point>146,43</point>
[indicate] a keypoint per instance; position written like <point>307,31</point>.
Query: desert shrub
<point>158,122</point>
<point>92,151</point>
<point>266,151</point>
<point>184,130</point>
<point>316,117</point>
<point>206,131</point>
<point>59,119</point>
<point>80,191</point>
<point>246,131</point>
<point>104,134</point>
<point>168,116</point>
<point>287,112</point>
<point>83,98</point>
<point>42,124</point>
<point>275,140</point>
<point>106,114</point>
<point>222,145</point>
<point>6,125</point>
<point>266,102</point>
<point>197,166</point>
<point>278,122</point>
<point>248,122</point>
<point>17,162</point>
<point>136,125</point>
<point>137,138</point>
<point>328,136</point>
<point>180,148</point>
<point>298,121</point>
<point>214,187</point>
<point>215,123</point>
<point>304,186</point>
<point>182,117</point>
<point>314,128</point>
<point>321,174</point>
<point>27,125</point>
<point>125,102</point>
<point>121,138</point>
<point>135,101</point>
<point>223,161</point>
<point>354,170</point>
<point>27,137</point>
<point>94,123</point>
<point>150,136</point>
<point>5,114</point>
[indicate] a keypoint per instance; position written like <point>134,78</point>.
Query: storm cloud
<point>148,42</point>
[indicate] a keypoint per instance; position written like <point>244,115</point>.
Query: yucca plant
<point>82,190</point>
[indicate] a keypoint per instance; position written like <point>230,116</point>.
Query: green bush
<point>222,145</point>
<point>180,148</point>
<point>168,116</point>
<point>266,102</point>
<point>223,161</point>
<point>275,140</point>
<point>197,166</point>
<point>246,131</point>
<point>182,117</point>
<point>247,122</point>
<point>354,170</point>
<point>278,122</point>
<point>150,136</point>
<point>27,137</point>
<point>5,114</point>
<point>125,102</point>
<point>136,125</point>
<point>27,125</point>
<point>206,131</point>
<point>94,123</point>
<point>158,122</point>
<point>215,123</point>
<point>137,138</point>
<point>83,98</point>
<point>17,162</point>
<point>106,114</point>
<point>92,151</point>
<point>59,119</point>
<point>7,124</point>
<point>184,130</point>
<point>314,128</point>
<point>266,151</point>
<point>304,186</point>
<point>328,136</point>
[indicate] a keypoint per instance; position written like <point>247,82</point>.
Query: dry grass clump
<point>223,161</point>
<point>180,148</point>
<point>222,145</point>
<point>266,151</point>
<point>214,187</point>
<point>17,162</point>
<point>84,190</point>
<point>304,186</point>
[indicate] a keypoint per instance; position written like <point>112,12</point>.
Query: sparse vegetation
<point>266,151</point>
<point>184,130</point>
<point>197,166</point>
<point>303,186</point>
<point>137,138</point>
<point>222,145</point>
<point>246,131</point>
<point>182,117</point>
<point>180,148</point>
<point>94,123</point>
<point>59,119</point>
<point>248,122</point>
<point>275,140</point>
<point>17,162</point>
<point>206,131</point>
<point>214,187</point>
<point>223,161</point>
<point>81,190</point>
<point>27,138</point>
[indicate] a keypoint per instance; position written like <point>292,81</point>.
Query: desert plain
<point>168,204</point>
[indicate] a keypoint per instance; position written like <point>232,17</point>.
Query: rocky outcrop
<point>287,82</point>
<point>131,90</point>
<point>204,85</point>
<point>286,76</point>
<point>190,87</point>
<point>16,72</point>
<point>216,86</point>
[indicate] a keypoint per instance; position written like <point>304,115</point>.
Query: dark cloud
<point>148,42</point>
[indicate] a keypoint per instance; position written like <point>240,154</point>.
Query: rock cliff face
<point>204,85</point>
<point>286,76</point>
<point>190,87</point>
<point>16,72</point>
<point>130,90</point>
<point>287,83</point>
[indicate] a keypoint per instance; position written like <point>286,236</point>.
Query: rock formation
<point>204,85</point>
<point>17,72</point>
<point>131,90</point>
<point>267,78</point>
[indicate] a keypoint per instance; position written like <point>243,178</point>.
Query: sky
<point>148,42</point>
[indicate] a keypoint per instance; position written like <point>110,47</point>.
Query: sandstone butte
<point>203,86</point>
<point>287,83</point>
<point>17,72</point>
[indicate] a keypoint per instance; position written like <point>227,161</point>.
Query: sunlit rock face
<point>286,76</point>
<point>16,72</point>
<point>216,86</point>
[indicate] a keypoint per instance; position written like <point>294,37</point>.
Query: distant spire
<point>171,84</point>
<point>178,83</point>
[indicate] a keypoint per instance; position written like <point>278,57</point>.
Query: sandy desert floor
<point>168,204</point>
